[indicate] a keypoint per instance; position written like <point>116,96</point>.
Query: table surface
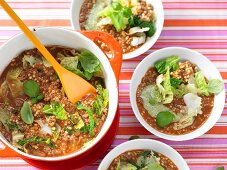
<point>197,24</point>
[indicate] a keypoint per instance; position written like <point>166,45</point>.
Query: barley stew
<point>174,96</point>
<point>35,114</point>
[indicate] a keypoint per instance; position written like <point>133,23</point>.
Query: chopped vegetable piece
<point>36,140</point>
<point>4,117</point>
<point>137,22</point>
<point>164,118</point>
<point>91,119</point>
<point>201,83</point>
<point>215,86</point>
<point>26,113</point>
<point>55,109</point>
<point>70,131</point>
<point>89,61</point>
<point>31,88</point>
<point>12,126</point>
<point>180,91</point>
<point>118,14</point>
<point>175,82</point>
<point>171,63</point>
<point>14,84</point>
<point>101,101</point>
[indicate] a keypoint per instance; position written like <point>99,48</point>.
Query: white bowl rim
<point>206,126</point>
<point>98,137</point>
<point>149,42</point>
<point>143,144</point>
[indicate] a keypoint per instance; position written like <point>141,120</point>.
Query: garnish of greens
<point>101,101</point>
<point>26,113</point>
<point>168,87</point>
<point>86,64</point>
<point>36,139</point>
<point>91,125</point>
<point>55,109</point>
<point>147,160</point>
<point>118,14</point>
<point>134,137</point>
<point>121,17</point>
<point>32,89</point>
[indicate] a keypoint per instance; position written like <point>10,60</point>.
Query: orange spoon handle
<point>30,35</point>
<point>114,46</point>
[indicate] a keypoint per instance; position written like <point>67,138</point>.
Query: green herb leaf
<point>91,119</point>
<point>70,131</point>
<point>36,140</point>
<point>89,61</point>
<point>31,88</point>
<point>55,109</point>
<point>12,126</point>
<point>215,86</point>
<point>171,63</point>
<point>26,113</point>
<point>164,118</point>
<point>137,22</point>
<point>175,82</point>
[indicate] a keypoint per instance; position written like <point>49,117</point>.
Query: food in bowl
<point>36,116</point>
<point>174,97</point>
<point>142,159</point>
<point>131,22</point>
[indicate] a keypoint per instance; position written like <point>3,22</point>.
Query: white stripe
<point>36,14</point>
<point>196,28</point>
<point>203,136</point>
<point>199,12</point>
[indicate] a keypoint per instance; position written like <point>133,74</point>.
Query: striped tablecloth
<point>197,24</point>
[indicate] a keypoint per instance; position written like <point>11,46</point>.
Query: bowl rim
<point>150,40</point>
<point>95,140</point>
<point>146,144</point>
<point>193,134</point>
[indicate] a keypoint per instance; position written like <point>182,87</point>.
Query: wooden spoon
<point>75,87</point>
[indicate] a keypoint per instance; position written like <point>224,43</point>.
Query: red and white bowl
<point>72,39</point>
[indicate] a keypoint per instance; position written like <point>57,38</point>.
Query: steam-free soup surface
<point>35,114</point>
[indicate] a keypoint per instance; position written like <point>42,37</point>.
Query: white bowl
<point>208,69</point>
<point>158,8</point>
<point>144,144</point>
<point>68,38</point>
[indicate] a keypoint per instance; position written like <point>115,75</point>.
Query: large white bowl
<point>144,144</point>
<point>158,9</point>
<point>72,39</point>
<point>208,69</point>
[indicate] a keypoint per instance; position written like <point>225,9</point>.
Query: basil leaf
<point>215,86</point>
<point>31,88</point>
<point>55,109</point>
<point>26,113</point>
<point>164,118</point>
